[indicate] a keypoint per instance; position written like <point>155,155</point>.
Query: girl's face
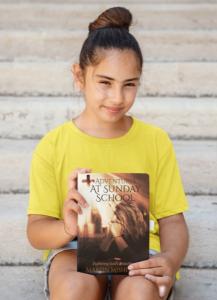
<point>110,87</point>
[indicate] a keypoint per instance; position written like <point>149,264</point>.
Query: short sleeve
<point>170,197</point>
<point>43,191</point>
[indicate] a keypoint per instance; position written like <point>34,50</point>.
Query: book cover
<point>113,231</point>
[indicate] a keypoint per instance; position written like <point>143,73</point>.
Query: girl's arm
<point>174,239</point>
<point>161,268</point>
<point>174,244</point>
<point>45,232</point>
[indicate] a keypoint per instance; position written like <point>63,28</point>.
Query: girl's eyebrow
<point>103,76</point>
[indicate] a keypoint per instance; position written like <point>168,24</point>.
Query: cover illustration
<point>113,231</point>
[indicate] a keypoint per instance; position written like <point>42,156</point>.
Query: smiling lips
<point>113,109</point>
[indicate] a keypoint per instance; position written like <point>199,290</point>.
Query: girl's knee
<point>136,287</point>
<point>74,285</point>
<point>61,287</point>
<point>66,283</point>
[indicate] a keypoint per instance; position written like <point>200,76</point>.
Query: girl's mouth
<point>113,109</point>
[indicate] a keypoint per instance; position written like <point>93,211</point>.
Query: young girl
<point>104,138</point>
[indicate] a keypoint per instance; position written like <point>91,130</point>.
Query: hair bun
<point>113,17</point>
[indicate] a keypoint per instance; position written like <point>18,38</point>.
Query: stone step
<point>158,79</point>
<point>202,224</point>
<point>197,160</point>
<point>160,45</point>
<point>71,16</point>
<point>120,2</point>
<point>184,118</point>
<point>19,282</point>
<point>197,285</point>
<point>201,220</point>
<point>22,283</point>
<point>15,247</point>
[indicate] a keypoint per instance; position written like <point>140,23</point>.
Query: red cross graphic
<point>88,180</point>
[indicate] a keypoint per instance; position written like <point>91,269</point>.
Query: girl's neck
<point>103,130</point>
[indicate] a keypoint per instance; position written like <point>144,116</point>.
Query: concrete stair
<point>39,40</point>
<point>70,14</point>
<point>192,79</point>
<point>158,45</point>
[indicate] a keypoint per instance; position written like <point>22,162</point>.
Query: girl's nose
<point>118,97</point>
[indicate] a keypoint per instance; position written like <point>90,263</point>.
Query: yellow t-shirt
<point>145,148</point>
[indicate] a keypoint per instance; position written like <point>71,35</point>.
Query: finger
<point>159,271</point>
<point>163,283</point>
<point>76,196</point>
<point>72,180</point>
<point>72,205</point>
<point>145,264</point>
<point>160,280</point>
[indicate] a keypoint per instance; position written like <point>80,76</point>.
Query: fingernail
<point>130,267</point>
<point>131,273</point>
<point>162,290</point>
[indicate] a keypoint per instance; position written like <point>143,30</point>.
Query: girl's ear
<point>78,76</point>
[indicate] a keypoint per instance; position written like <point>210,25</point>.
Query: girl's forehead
<point>121,65</point>
<point>117,57</point>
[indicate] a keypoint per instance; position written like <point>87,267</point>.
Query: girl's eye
<point>130,84</point>
<point>105,82</point>
<point>108,83</point>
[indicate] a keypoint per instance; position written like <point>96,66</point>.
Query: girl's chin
<point>109,116</point>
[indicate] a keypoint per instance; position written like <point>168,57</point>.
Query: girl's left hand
<point>158,269</point>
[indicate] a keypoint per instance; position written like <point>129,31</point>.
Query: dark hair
<point>109,30</point>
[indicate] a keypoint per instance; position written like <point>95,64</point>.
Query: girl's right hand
<point>73,203</point>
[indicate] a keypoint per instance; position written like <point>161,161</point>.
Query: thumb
<point>161,287</point>
<point>162,290</point>
<point>72,179</point>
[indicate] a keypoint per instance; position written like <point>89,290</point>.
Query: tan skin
<point>64,281</point>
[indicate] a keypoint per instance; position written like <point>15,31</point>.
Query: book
<point>113,231</point>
